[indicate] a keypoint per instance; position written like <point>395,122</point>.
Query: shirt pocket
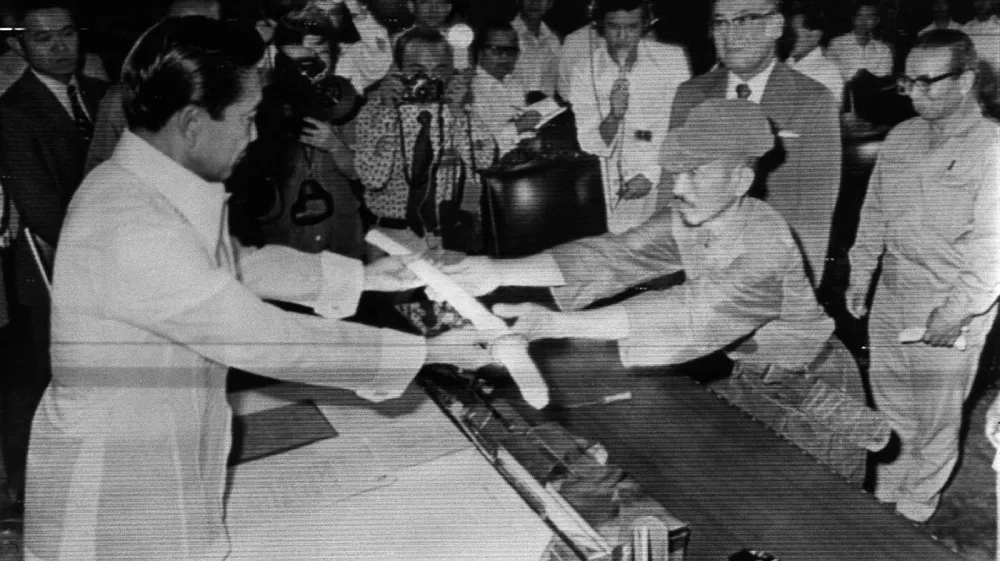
<point>950,207</point>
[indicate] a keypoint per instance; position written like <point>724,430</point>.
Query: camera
<point>421,88</point>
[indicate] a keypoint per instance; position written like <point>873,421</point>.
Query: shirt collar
<point>57,88</point>
<point>757,83</point>
<point>200,202</point>
<point>544,33</point>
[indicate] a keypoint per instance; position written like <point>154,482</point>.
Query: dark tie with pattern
<point>420,213</point>
<point>83,122</point>
<point>743,91</point>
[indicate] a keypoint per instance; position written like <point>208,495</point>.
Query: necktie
<point>420,203</point>
<point>743,91</point>
<point>80,117</point>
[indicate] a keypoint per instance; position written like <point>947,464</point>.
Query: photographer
<point>418,150</point>
<point>295,186</point>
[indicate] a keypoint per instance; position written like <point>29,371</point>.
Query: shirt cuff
<point>341,286</point>
<point>401,359</point>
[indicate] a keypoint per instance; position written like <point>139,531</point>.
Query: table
<point>734,481</point>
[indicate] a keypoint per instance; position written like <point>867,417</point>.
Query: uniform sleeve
<point>978,285</point>
<point>768,296</point>
<point>183,297</point>
<point>869,243</point>
<point>602,266</point>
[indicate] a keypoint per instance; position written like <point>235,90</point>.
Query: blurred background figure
<point>860,49</point>
<point>806,27</point>
<point>497,95</point>
<point>295,187</point>
<point>620,85</point>
<point>943,19</point>
<point>538,63</point>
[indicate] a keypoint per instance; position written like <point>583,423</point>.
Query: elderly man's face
<point>50,43</point>
<point>499,53</point>
<point>745,32</point>
<point>942,98</point>
<point>431,59</point>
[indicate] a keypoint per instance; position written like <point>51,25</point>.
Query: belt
<point>394,223</point>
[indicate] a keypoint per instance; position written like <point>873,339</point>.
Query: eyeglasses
<point>922,84</point>
<point>740,22</point>
<point>502,50</point>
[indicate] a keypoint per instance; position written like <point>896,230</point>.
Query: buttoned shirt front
<point>386,137</point>
<point>538,63</point>
<point>151,303</point>
<point>823,70</point>
<point>743,275</point>
<point>850,55</point>
<point>496,103</point>
<point>652,83</point>
<point>932,214</point>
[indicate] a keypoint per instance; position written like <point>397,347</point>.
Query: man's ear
<point>775,26</point>
<point>741,179</point>
<point>15,45</point>
<point>189,121</point>
<point>968,79</point>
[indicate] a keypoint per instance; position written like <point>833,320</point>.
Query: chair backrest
<point>542,203</point>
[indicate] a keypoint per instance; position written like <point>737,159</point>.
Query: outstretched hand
<point>391,274</point>
<point>478,275</point>
<point>533,321</point>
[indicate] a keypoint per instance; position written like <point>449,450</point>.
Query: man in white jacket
<point>153,300</point>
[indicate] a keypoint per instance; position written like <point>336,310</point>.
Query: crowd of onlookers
<point>381,114</point>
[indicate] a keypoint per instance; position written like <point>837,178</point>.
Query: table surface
<point>733,480</point>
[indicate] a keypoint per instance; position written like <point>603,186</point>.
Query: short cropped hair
<point>294,26</point>
<point>813,15</point>
<point>484,31</point>
<point>430,36</point>
<point>20,10</point>
<point>186,61</point>
<point>957,43</point>
<point>604,7</point>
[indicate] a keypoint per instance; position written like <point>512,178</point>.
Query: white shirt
<point>986,36</point>
<point>653,81</point>
<point>952,24</point>
<point>756,84</point>
<point>496,104</point>
<point>368,60</point>
<point>58,89</point>
<point>152,301</point>
<point>538,63</point>
<point>821,69</point>
<point>850,56</point>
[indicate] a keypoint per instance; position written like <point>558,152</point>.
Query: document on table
<point>454,507</point>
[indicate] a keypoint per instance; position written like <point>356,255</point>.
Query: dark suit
<point>800,179</point>
<point>41,162</point>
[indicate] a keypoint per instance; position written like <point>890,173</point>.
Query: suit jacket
<point>801,177</point>
<point>41,161</point>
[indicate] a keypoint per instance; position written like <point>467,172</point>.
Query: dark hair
<point>294,26</point>
<point>957,43</point>
<point>601,8</point>
<point>20,10</point>
<point>484,31</point>
<point>431,36</point>
<point>813,15</point>
<point>186,61</point>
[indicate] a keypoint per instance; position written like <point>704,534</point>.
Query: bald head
<point>206,8</point>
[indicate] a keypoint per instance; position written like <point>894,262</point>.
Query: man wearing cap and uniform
<point>745,289</point>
